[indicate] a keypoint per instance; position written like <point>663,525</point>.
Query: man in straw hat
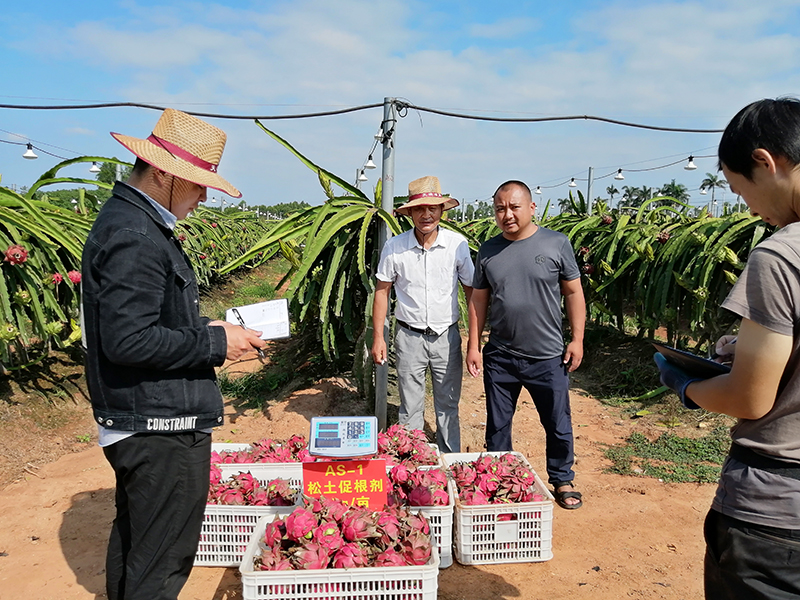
<point>525,271</point>
<point>425,265</point>
<point>151,356</point>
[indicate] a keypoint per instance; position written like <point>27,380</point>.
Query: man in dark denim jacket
<point>151,357</point>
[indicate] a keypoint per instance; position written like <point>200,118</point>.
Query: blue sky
<point>676,64</point>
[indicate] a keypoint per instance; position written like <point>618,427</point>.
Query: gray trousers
<point>442,353</point>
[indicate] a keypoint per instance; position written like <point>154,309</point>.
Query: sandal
<point>561,497</point>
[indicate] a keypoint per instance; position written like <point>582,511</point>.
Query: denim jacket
<point>150,355</point>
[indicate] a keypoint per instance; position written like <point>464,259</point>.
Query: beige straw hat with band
<point>425,191</point>
<point>183,146</point>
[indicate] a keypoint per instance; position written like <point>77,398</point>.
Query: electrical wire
<point>401,105</point>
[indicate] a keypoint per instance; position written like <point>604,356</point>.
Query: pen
<point>261,355</point>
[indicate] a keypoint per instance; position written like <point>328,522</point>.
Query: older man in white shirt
<point>425,265</point>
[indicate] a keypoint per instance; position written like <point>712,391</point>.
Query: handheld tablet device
<point>691,363</point>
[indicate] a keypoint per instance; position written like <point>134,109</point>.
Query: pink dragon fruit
<point>358,525</point>
<point>310,556</point>
<point>215,475</point>
<point>275,533</point>
<point>231,497</point>
<point>328,536</point>
<point>300,523</point>
<point>390,558</point>
<point>351,556</point>
<point>272,559</point>
<point>416,548</point>
<point>420,496</point>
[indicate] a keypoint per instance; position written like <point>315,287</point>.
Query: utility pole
<point>589,189</point>
<point>387,204</point>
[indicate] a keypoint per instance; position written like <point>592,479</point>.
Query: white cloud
<point>671,63</point>
<point>504,29</point>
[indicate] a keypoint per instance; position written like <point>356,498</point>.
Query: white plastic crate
<point>226,532</point>
<point>441,522</point>
<point>368,583</point>
<point>503,533</point>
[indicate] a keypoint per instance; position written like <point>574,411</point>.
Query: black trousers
<point>547,381</point>
<point>162,487</point>
<point>745,561</point>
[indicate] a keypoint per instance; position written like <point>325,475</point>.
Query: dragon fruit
<point>300,524</point>
<point>401,445</point>
<point>417,487</point>
<point>390,558</point>
<point>416,548</point>
<point>495,480</point>
<point>358,525</point>
<point>244,489</point>
<point>392,537</point>
<point>267,450</point>
<point>310,556</point>
<point>350,556</point>
<point>328,536</point>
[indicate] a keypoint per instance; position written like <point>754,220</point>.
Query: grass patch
<point>250,287</point>
<point>670,457</point>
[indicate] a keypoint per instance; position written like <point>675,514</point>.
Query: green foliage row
<point>40,248</point>
<point>655,263</point>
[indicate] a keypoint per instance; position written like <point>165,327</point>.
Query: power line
<point>401,106</point>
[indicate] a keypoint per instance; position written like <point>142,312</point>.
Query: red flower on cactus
<point>74,277</point>
<point>57,278</point>
<point>202,257</point>
<point>214,225</point>
<point>16,255</point>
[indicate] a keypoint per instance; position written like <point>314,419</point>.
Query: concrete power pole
<point>387,204</point>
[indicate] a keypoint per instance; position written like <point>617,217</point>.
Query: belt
<point>759,461</point>
<point>426,331</point>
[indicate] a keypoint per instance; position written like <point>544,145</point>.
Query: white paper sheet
<point>271,318</point>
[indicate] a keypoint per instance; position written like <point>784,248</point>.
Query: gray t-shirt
<point>525,277</point>
<point>768,293</point>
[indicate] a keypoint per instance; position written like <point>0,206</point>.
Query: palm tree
<point>675,190</point>
<point>611,191</point>
<point>713,182</point>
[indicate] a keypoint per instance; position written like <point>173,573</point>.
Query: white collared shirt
<point>426,281</point>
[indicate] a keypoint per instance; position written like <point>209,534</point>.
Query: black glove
<point>675,379</point>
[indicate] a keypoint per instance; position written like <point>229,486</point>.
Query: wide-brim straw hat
<point>425,191</point>
<point>183,146</point>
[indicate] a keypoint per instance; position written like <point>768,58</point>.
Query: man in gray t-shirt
<point>752,531</point>
<point>524,272</point>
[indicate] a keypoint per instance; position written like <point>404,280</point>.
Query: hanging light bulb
<point>619,176</point>
<point>29,153</point>
<point>538,190</point>
<point>572,183</point>
<point>690,166</point>
<point>370,164</point>
<point>703,191</point>
<point>361,176</point>
<point>94,168</point>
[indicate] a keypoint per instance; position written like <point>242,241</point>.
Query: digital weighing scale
<point>343,437</point>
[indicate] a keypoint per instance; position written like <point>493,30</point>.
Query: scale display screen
<point>343,437</point>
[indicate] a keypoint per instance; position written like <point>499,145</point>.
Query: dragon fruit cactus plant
<point>495,480</point>
<point>401,445</point>
<point>243,489</point>
<point>417,487</point>
<point>328,534</point>
<point>293,450</point>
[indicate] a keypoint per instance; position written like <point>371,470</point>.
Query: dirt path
<point>633,538</point>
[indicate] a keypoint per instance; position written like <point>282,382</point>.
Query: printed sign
<point>356,482</point>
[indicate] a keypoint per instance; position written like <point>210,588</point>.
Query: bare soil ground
<point>634,537</point>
